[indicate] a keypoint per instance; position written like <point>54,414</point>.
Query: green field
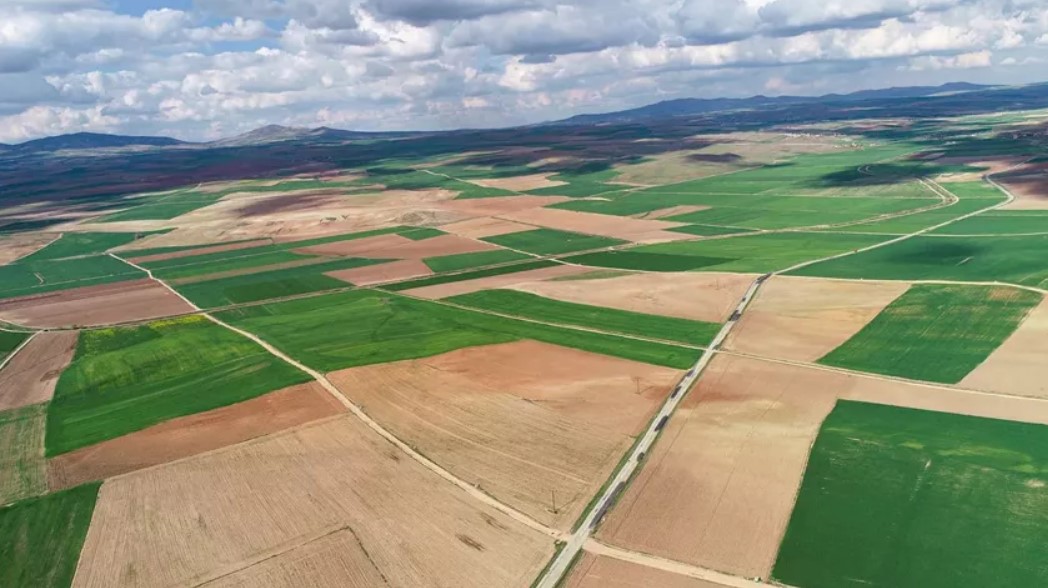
<point>531,306</point>
<point>126,379</point>
<point>709,230</point>
<point>164,206</point>
<point>9,341</point>
<point>23,472</point>
<point>1019,260</point>
<point>482,273</point>
<point>81,244</point>
<point>461,261</point>
<point>551,241</point>
<point>747,253</point>
<point>38,277</point>
<point>902,498</point>
<point>999,222</point>
<point>235,264</point>
<point>41,538</point>
<point>348,329</point>
<point>581,183</point>
<point>408,179</point>
<point>937,333</point>
<point>972,197</point>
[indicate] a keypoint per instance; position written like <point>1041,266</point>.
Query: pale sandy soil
<point>367,247</point>
<point>991,166</point>
<point>1020,364</point>
<point>22,469</point>
<point>671,211</point>
<point>193,434</point>
<point>478,228</point>
<point>698,296</point>
<point>104,304</point>
<point>204,518</point>
<point>719,487</point>
<point>129,253</point>
<point>384,272</point>
<point>503,281</point>
<point>398,247</point>
<point>520,183</point>
<point>498,206</point>
<point>21,244</point>
<point>1029,185</point>
<point>803,319</point>
<point>598,571</point>
<point>32,374</point>
<point>527,422</point>
<point>619,227</point>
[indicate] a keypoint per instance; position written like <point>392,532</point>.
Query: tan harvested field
<point>105,304</point>
<point>368,246</point>
<point>803,319</point>
<point>500,205</point>
<point>383,272</point>
<point>527,422</point>
<point>196,251</point>
<point>31,375</point>
<point>19,245</point>
<point>1020,364</point>
<point>398,247</point>
<point>619,227</point>
<point>520,183</point>
<point>503,281</point>
<point>222,513</point>
<point>485,226</point>
<point>1029,184</point>
<point>334,560</point>
<point>987,166</point>
<point>601,571</point>
<point>698,296</point>
<point>718,489</point>
<point>194,434</point>
<point>22,471</point>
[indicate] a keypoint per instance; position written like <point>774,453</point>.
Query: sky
<point>204,69</point>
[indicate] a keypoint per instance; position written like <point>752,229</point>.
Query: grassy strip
<point>536,307</point>
<point>484,273</point>
<point>937,333</point>
<point>41,538</point>
<point>126,379</point>
<point>897,497</point>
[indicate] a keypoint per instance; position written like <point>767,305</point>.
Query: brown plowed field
<point>690,295</point>
<point>803,319</point>
<point>718,489</point>
<point>217,514</point>
<point>383,272</point>
<point>335,560</point>
<point>503,281</point>
<point>22,470</point>
<point>599,571</point>
<point>486,226</point>
<point>520,183</point>
<point>527,422</point>
<point>105,304</point>
<point>1020,365</point>
<point>31,375</point>
<point>190,435</point>
<point>397,247</point>
<point>367,247</point>
<point>500,205</point>
<point>1029,185</point>
<point>619,227</point>
<point>199,251</point>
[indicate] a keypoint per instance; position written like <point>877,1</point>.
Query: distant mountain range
<point>670,108</point>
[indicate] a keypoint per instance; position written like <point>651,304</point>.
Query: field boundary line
<point>15,351</point>
<point>672,566</point>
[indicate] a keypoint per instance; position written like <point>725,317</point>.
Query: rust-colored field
<point>600,571</point>
<point>22,470</point>
<point>503,281</point>
<point>690,295</point>
<point>31,375</point>
<point>383,272</point>
<point>485,226</point>
<point>803,319</point>
<point>618,227</point>
<point>1020,364</point>
<point>529,423</point>
<point>105,304</point>
<point>221,514</point>
<point>194,434</point>
<point>197,251</point>
<point>718,489</point>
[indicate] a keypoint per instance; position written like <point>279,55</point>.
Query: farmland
<point>551,241</point>
<point>946,500</point>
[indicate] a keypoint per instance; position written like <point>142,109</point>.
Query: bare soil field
<point>478,228</point>
<point>527,422</point>
<point>619,227</point>
<point>803,319</point>
<point>520,183</point>
<point>31,375</point>
<point>105,304</point>
<point>503,281</point>
<point>22,471</point>
<point>719,486</point>
<point>1020,364</point>
<point>19,245</point>
<point>384,272</point>
<point>198,251</point>
<point>398,247</point>
<point>600,571</point>
<point>500,205</point>
<point>697,296</point>
<point>990,166</point>
<point>194,434</point>
<point>1029,184</point>
<point>221,513</point>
